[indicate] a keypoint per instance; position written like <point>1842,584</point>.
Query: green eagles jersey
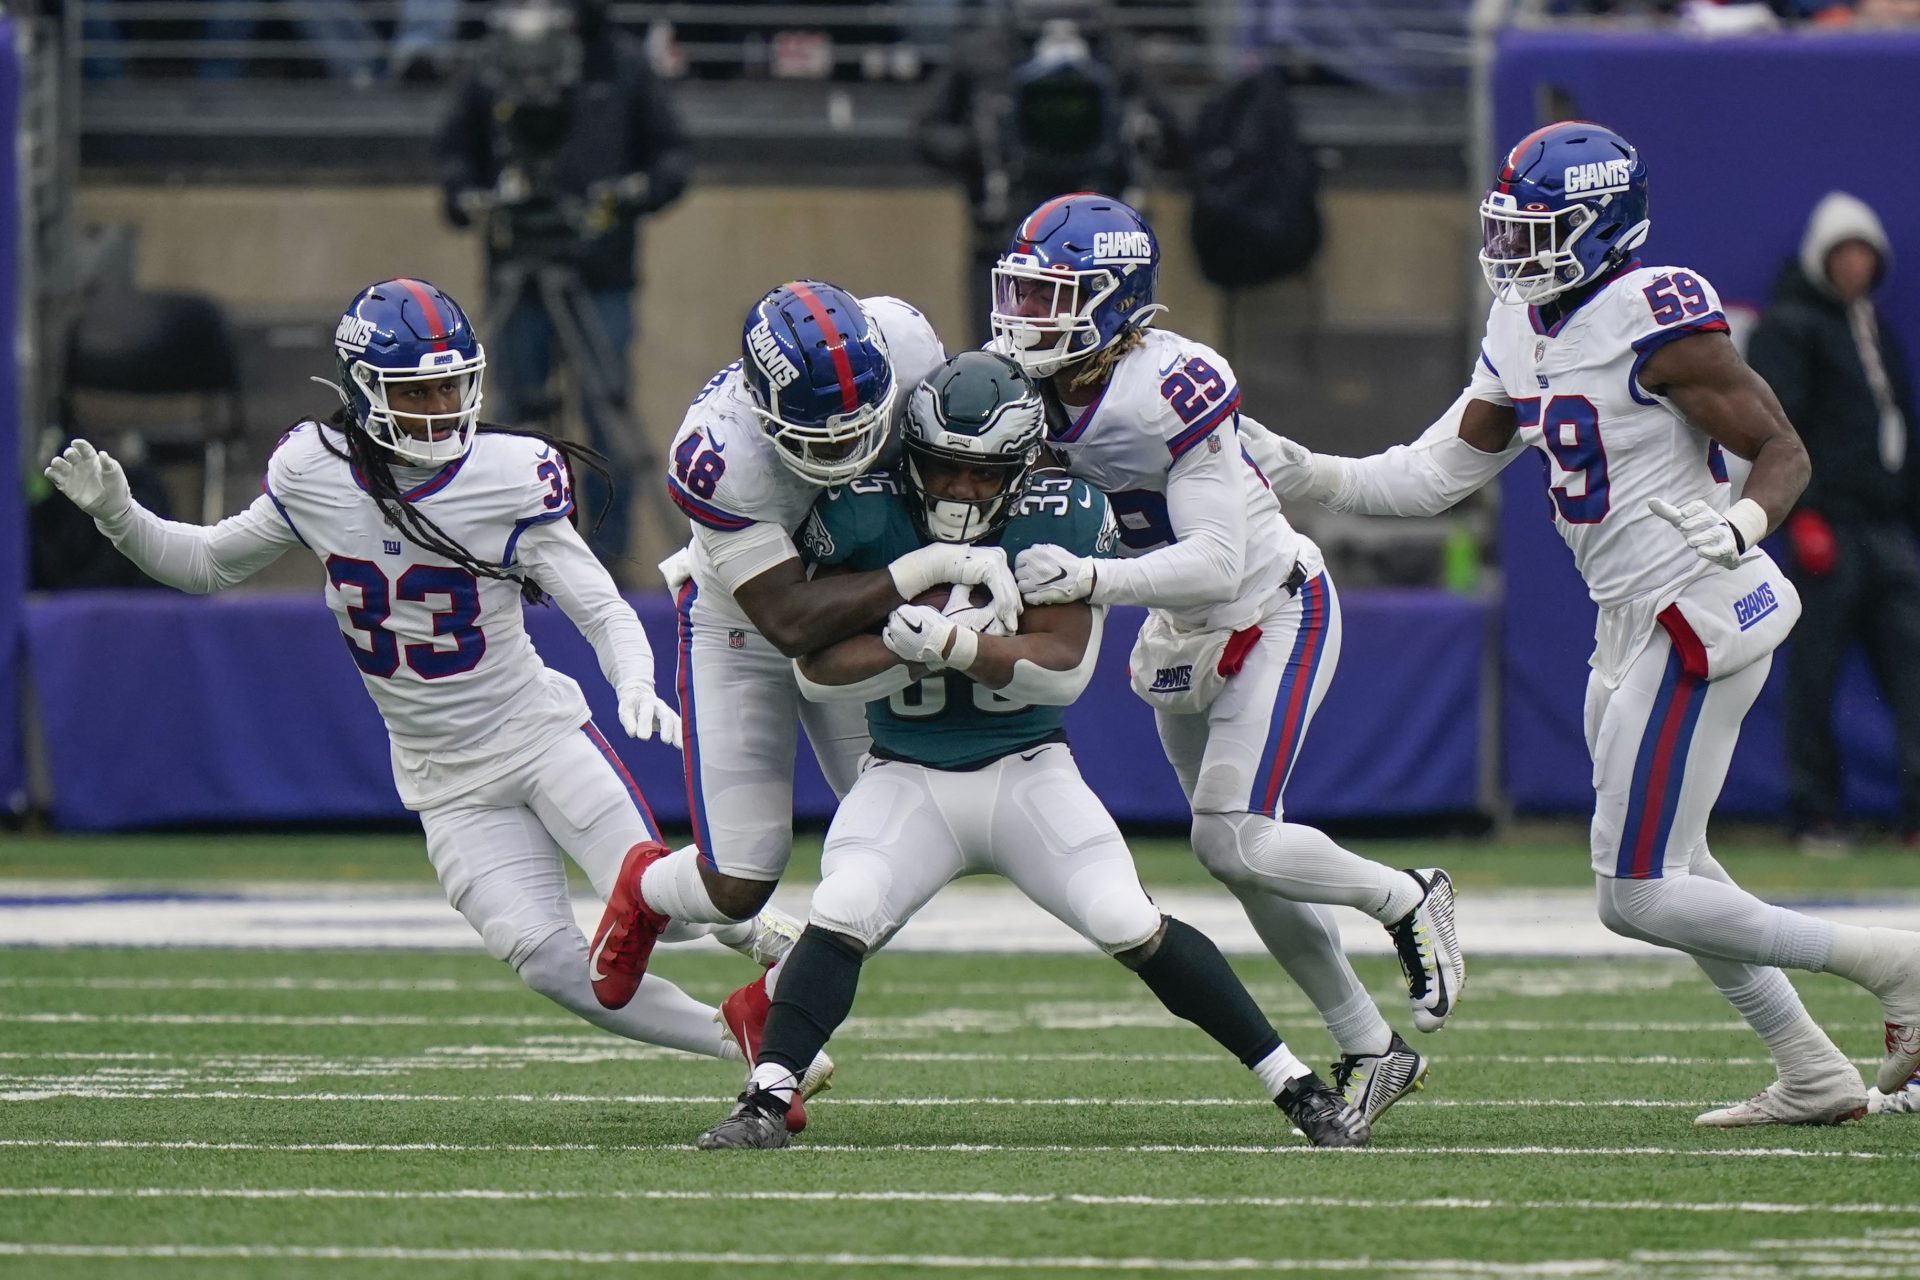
<point>947,721</point>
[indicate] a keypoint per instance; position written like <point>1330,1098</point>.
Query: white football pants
<point>740,704</point>
<point>497,850</point>
<point>905,830</point>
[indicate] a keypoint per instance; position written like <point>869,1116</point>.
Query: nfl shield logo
<point>1213,444</point>
<point>736,639</point>
<point>1539,350</point>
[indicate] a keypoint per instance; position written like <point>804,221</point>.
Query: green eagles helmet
<point>973,430</point>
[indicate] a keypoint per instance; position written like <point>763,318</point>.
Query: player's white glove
<point>642,715</point>
<point>922,634</point>
<point>1720,539</point>
<point>677,568</point>
<point>1053,575</point>
<point>92,479</point>
<point>974,617</point>
<point>921,570</point>
<point>1301,473</point>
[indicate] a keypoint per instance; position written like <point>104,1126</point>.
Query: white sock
<point>1881,960</point>
<point>1357,1027</point>
<point>775,1079</point>
<point>774,971</point>
<point>673,887</point>
<point>1279,1067</point>
<point>1771,1006</point>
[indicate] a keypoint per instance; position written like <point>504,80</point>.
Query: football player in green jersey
<point>970,769</point>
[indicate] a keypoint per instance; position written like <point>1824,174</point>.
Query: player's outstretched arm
<point>1048,663</point>
<point>1703,376</point>
<point>1470,444</point>
<point>801,617</point>
<point>190,557</point>
<point>556,556</point>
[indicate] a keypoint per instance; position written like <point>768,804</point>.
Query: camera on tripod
<point>532,64</point>
<point>1066,126</point>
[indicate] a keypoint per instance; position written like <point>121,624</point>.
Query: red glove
<point>1811,537</point>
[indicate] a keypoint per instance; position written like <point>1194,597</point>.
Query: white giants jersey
<point>1165,397</point>
<point>443,652</point>
<point>1609,442</point>
<point>725,474</point>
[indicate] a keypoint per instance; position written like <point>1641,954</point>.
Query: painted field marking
<point>987,1198</point>
<point>263,1252</point>
<point>651,1099</point>
<point>953,1148</point>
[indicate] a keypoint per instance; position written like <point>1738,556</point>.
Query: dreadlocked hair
<point>375,466</point>
<point>1097,368</point>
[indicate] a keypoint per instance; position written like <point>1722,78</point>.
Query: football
<point>951,597</point>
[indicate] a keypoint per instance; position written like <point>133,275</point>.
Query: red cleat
<point>744,1015</point>
<point>628,929</point>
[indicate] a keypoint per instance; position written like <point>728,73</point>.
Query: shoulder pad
<point>1651,300</point>
<point>912,344</point>
<point>1196,387</point>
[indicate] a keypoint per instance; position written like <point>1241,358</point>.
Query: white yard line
<point>969,918</point>
<point>953,1148</point>
<point>613,1050</point>
<point>945,1262</point>
<point>1076,1016</point>
<point>992,1199</point>
<point>107,1090</point>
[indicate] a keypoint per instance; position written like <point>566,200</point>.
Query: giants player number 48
<point>1623,377</point>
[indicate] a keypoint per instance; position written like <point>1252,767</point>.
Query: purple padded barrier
<point>164,709</point>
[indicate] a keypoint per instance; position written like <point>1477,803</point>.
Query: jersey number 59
<point>1570,430</point>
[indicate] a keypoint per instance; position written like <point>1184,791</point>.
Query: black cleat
<point>758,1121</point>
<point>1322,1115</point>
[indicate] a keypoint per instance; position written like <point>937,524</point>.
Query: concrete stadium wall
<point>1392,259</point>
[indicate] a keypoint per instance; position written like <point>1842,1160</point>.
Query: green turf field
<point>299,1114</point>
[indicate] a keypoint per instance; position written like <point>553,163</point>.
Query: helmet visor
<point>963,496</point>
<point>1039,313</point>
<point>425,416</point>
<point>1527,255</point>
<point>835,451</point>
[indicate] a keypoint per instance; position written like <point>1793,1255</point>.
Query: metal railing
<point>180,38</point>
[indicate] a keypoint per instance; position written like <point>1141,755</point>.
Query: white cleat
<point>1900,1005</point>
<point>1902,1063</point>
<point>1371,1083</point>
<point>1901,1102</point>
<point>774,933</point>
<point>1429,950</point>
<point>1834,1099</point>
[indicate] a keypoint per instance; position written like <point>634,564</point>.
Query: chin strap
<point>335,387</point>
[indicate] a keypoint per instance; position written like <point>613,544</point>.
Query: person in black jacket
<point>1841,375</point>
<point>559,143</point>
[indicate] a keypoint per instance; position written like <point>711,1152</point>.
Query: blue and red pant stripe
<point>1659,771</point>
<point>619,766</point>
<point>1294,698</point>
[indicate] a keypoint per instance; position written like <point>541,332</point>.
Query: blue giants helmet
<point>1079,272</point>
<point>400,332</point>
<point>821,380</point>
<point>1570,205</point>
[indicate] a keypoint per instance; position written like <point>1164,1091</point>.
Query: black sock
<point>1194,982</point>
<point>812,998</point>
